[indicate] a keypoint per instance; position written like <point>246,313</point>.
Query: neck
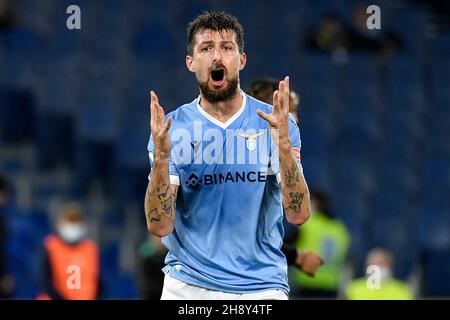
<point>223,110</point>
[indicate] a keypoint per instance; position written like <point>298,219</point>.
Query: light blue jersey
<point>229,217</point>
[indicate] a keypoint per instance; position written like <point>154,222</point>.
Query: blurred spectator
<point>381,41</point>
<point>263,90</point>
<point>330,238</point>
<point>151,261</point>
<point>390,288</point>
<point>330,36</point>
<point>71,268</point>
<point>6,281</point>
<point>307,261</point>
<point>333,36</point>
<point>8,17</point>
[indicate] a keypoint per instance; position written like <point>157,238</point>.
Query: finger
<point>263,115</point>
<point>152,110</point>
<point>155,103</point>
<point>161,114</point>
<point>159,111</point>
<point>155,98</point>
<point>286,94</point>
<point>276,103</point>
<point>281,95</point>
<point>167,125</point>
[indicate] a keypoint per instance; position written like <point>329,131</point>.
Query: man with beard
<point>223,168</point>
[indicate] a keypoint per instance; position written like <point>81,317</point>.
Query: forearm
<point>160,200</point>
<point>296,202</point>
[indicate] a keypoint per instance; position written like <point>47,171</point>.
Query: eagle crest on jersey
<point>250,141</point>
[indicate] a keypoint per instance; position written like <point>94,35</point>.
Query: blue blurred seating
<point>16,115</point>
<point>154,38</point>
<point>436,273</point>
<point>23,42</point>
<point>55,141</point>
<point>116,284</point>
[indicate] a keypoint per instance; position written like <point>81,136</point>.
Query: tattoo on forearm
<point>292,176</point>
<point>154,215</point>
<point>166,203</point>
<point>174,202</point>
<point>162,191</point>
<point>166,206</point>
<point>296,201</point>
<point>293,188</point>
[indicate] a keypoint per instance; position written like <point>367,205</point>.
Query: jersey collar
<point>223,125</point>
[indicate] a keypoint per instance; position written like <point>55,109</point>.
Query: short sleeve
<point>294,135</point>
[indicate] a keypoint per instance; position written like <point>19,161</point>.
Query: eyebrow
<point>211,42</point>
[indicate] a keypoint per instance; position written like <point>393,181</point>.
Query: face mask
<point>385,273</point>
<point>72,232</point>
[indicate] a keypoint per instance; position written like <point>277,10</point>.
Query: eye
<point>228,48</point>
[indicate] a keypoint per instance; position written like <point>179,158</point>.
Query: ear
<point>242,60</point>
<point>190,63</point>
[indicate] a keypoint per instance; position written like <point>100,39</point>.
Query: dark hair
<point>217,21</point>
<point>263,89</point>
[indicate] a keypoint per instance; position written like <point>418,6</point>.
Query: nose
<point>217,57</point>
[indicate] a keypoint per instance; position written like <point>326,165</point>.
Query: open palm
<point>158,128</point>
<point>279,119</point>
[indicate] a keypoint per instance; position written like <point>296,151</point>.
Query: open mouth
<point>218,77</point>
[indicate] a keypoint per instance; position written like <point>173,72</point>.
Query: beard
<point>219,95</point>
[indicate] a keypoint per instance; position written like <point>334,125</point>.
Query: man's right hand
<point>159,130</point>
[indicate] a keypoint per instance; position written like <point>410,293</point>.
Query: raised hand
<point>279,119</point>
<point>159,129</point>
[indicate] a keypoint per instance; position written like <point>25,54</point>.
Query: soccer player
<point>223,168</point>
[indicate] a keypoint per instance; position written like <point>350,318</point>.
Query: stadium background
<point>74,123</point>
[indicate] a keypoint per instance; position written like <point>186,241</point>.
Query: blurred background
<point>374,116</point>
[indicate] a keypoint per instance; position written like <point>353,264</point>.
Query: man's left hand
<point>279,119</point>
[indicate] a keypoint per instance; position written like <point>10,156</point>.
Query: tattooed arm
<point>295,191</point>
<point>293,185</point>
<point>160,197</point>
<point>160,200</point>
